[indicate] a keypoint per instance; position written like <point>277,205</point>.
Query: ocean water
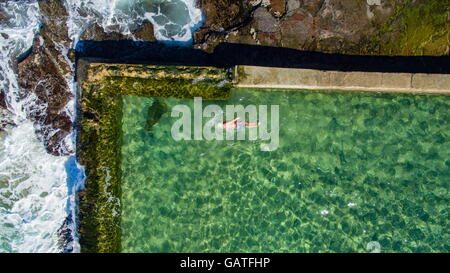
<point>173,20</point>
<point>354,172</point>
<point>37,189</point>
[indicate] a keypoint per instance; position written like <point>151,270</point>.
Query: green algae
<point>98,142</point>
<point>417,28</point>
<point>99,135</point>
<point>208,89</point>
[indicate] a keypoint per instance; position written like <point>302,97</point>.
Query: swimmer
<point>235,124</point>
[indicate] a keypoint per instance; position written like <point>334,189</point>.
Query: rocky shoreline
<point>371,27</point>
<point>46,74</point>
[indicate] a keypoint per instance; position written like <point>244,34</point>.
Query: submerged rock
<point>155,112</point>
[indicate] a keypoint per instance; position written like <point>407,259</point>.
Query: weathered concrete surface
<point>271,77</point>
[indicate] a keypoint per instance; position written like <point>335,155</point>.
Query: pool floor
<point>353,172</point>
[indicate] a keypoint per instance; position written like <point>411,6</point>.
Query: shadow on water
<point>228,55</point>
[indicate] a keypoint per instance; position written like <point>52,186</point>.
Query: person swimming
<point>235,124</point>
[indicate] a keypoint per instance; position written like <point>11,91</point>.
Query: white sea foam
<point>37,189</point>
<point>17,33</point>
<point>173,20</point>
<point>33,193</point>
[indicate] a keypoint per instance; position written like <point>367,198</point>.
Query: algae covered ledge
<point>100,87</point>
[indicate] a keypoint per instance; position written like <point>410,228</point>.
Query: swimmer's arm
<point>232,121</point>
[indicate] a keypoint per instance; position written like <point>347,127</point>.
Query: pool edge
<point>380,82</point>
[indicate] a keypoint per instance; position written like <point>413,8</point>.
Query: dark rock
<point>222,17</point>
<point>4,16</point>
<point>5,115</point>
<point>145,32</point>
<point>65,238</point>
<point>332,26</point>
<point>3,104</point>
<point>54,31</point>
<point>6,119</point>
<point>55,19</point>
<point>225,14</point>
<point>40,74</point>
<point>44,74</point>
<point>96,32</point>
<point>56,49</point>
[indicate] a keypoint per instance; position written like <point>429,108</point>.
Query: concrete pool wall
<point>293,78</point>
<point>99,119</point>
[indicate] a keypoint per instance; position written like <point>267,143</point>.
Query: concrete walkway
<point>291,78</point>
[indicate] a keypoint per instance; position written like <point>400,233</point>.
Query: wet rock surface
<point>145,32</point>
<point>6,120</point>
<point>97,33</point>
<point>43,77</point>
<point>331,26</point>
<point>46,73</point>
<point>4,16</point>
<point>222,17</point>
<point>321,25</point>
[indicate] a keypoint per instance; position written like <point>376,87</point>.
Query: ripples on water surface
<point>352,171</point>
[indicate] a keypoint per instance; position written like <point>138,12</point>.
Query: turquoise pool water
<point>352,172</point>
